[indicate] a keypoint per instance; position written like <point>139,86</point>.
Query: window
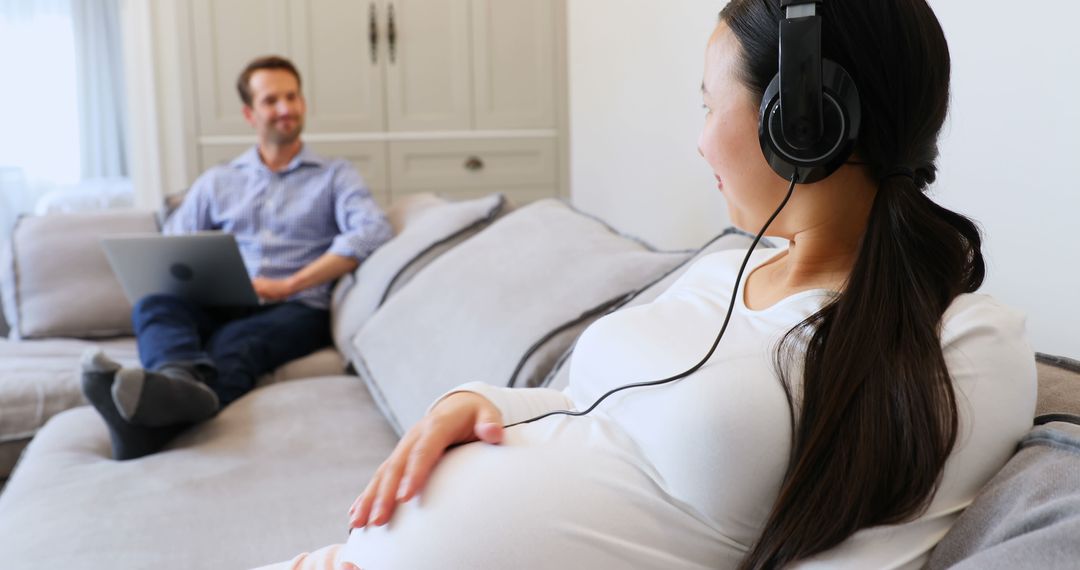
<point>52,117</point>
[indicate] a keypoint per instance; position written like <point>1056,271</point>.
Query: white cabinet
<point>409,90</point>
<point>341,67</point>
<point>227,34</point>
<point>473,166</point>
<point>513,64</point>
<point>427,72</point>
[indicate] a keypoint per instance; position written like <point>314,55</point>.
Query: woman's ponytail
<point>877,418</point>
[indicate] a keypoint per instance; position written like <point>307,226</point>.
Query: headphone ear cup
<point>841,115</point>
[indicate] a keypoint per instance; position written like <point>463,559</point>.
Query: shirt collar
<point>306,157</point>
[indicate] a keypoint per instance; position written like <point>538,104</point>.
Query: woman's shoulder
<point>986,339</point>
<point>982,315</point>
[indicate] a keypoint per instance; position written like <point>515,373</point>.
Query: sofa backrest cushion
<point>501,307</point>
<point>425,227</point>
<point>56,281</point>
<point>1059,385</point>
<point>731,238</point>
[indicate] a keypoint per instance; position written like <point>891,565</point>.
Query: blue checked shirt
<point>285,220</point>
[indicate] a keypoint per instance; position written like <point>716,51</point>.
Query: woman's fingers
<point>425,454</point>
<point>386,494</point>
<point>461,417</point>
<point>410,464</point>
<point>361,509</point>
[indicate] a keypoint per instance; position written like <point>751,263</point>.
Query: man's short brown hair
<point>243,83</point>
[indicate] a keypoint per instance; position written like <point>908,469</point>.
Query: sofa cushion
<point>425,226</point>
<point>1028,515</point>
<point>40,378</point>
<point>500,307</point>
<point>325,362</point>
<point>55,279</point>
<point>268,478</point>
<point>731,238</point>
<point>1059,385</point>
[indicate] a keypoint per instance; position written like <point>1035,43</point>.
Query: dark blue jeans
<point>232,346</point>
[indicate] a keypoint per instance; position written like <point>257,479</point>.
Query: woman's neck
<point>814,264</point>
<point>831,219</point>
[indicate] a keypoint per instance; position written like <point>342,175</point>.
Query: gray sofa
<point>466,290</point>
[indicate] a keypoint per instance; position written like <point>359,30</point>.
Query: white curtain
<point>40,147</point>
<point>99,72</point>
<point>62,100</point>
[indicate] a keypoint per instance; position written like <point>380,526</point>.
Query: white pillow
<point>500,307</point>
<point>425,227</point>
<point>56,281</point>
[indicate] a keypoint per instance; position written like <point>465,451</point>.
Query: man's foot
<point>174,395</point>
<point>118,395</point>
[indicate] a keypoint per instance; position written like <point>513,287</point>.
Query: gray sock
<point>128,441</point>
<point>155,399</point>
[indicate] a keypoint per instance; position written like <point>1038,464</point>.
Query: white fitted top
<point>683,475</point>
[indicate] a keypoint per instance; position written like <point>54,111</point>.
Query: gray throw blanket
<point>1028,516</point>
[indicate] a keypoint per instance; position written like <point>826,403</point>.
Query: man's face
<point>277,106</point>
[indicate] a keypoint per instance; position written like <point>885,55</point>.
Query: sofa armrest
<point>1028,516</point>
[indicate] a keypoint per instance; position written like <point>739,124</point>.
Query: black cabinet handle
<point>473,164</point>
<point>373,33</point>
<point>391,34</point>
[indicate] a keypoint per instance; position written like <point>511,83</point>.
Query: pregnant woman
<point>860,396</point>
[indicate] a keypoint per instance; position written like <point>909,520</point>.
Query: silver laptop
<point>203,267</point>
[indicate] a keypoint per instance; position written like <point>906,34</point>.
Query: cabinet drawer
<point>517,196</point>
<point>480,163</point>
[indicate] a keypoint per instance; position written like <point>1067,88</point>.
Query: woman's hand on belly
<point>461,417</point>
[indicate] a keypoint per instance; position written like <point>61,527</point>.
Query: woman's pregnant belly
<point>560,493</point>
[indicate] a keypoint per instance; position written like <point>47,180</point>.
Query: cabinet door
<point>214,154</point>
<point>514,63</point>
<point>227,34</point>
<point>341,67</point>
<point>428,76</point>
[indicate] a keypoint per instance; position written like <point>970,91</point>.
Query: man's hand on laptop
<point>272,289</point>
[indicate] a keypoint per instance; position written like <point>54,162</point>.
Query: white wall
<point>635,70</point>
<point>1010,152</point>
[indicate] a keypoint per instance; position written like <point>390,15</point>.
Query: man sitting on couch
<point>301,222</point>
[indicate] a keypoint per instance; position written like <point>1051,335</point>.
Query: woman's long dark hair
<point>876,417</point>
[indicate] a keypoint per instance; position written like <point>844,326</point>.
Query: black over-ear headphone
<point>810,114</point>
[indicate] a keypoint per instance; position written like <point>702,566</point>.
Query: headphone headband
<point>800,74</point>
<point>810,112</point>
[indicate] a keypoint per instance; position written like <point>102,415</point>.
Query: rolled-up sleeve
<point>362,224</point>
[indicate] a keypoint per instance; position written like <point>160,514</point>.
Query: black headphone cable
<point>723,328</point>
